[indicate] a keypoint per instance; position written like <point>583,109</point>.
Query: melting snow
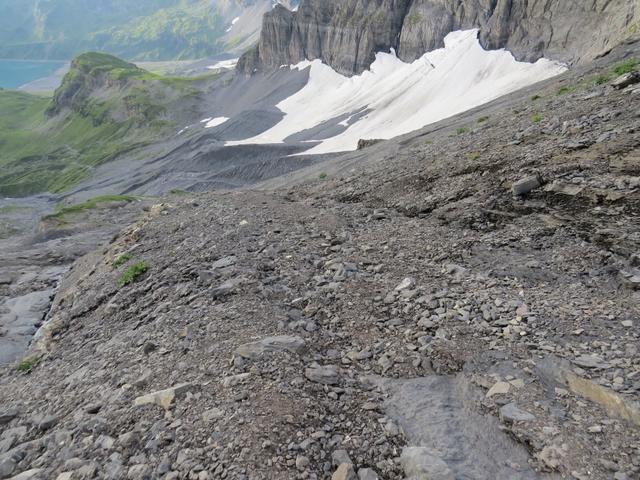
<point>228,64</point>
<point>402,97</point>
<point>233,22</point>
<point>214,122</point>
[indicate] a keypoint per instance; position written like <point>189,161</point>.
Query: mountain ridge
<point>347,34</point>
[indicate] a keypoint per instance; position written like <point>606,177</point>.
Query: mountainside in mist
<point>142,30</point>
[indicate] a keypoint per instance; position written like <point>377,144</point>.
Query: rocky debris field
<point>465,308</point>
<point>36,251</point>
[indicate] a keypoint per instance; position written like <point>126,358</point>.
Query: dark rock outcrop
<point>346,34</point>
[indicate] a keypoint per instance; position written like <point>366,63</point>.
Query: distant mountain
<point>138,30</point>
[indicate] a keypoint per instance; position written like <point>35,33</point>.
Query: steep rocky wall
<point>346,34</point>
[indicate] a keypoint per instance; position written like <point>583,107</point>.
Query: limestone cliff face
<point>346,34</point>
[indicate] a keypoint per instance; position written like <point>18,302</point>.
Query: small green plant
<point>133,273</point>
<point>322,176</point>
<point>28,364</point>
<point>462,130</point>
<point>627,66</point>
<point>473,155</point>
<point>564,90</point>
<point>121,260</point>
<point>483,119</point>
<point>536,118</point>
<point>535,97</point>
<point>89,205</point>
<point>602,79</point>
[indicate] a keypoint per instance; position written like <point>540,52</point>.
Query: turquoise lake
<point>14,73</point>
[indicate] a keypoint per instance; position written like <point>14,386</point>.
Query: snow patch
<point>226,64</point>
<point>233,22</point>
<point>214,122</point>
<point>402,97</point>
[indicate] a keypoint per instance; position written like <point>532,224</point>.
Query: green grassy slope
<point>104,108</point>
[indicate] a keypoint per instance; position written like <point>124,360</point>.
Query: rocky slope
<point>461,302</point>
<point>347,34</point>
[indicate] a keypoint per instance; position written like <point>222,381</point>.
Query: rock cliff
<point>346,34</point>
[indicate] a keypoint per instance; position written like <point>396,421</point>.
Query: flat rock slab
<point>510,413</point>
<point>164,398</point>
<point>20,322</point>
<point>447,438</point>
<point>7,415</point>
<point>420,463</point>
<point>327,375</point>
<point>224,262</point>
<point>283,343</point>
<point>28,475</point>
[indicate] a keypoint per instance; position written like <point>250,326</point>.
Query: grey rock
<point>367,474</point>
<point>526,185</point>
<point>630,278</point>
<point>590,361</point>
<point>212,415</point>
<point>129,439</point>
<point>226,288</point>
<point>282,343</point>
<point>344,472</point>
<point>365,143</point>
<point>164,398</point>
<point>234,380</point>
<point>224,262</point>
<point>139,472</point>
<point>7,465</point>
<point>511,413</point>
<point>28,474</point>
<point>7,415</point>
<point>406,284</point>
<point>339,457</point>
<point>421,463</point>
<point>326,375</point>
<point>625,80</point>
<point>46,422</point>
<point>302,462</point>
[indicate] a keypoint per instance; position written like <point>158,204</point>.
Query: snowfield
<point>394,97</point>
<point>226,64</point>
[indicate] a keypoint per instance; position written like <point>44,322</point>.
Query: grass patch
<point>627,66</point>
<point>28,364</point>
<point>90,205</point>
<point>536,118</point>
<point>535,97</point>
<point>323,176</point>
<point>483,119</point>
<point>602,79</point>
<point>121,260</point>
<point>473,156</point>
<point>133,273</point>
<point>462,130</point>
<point>564,90</point>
